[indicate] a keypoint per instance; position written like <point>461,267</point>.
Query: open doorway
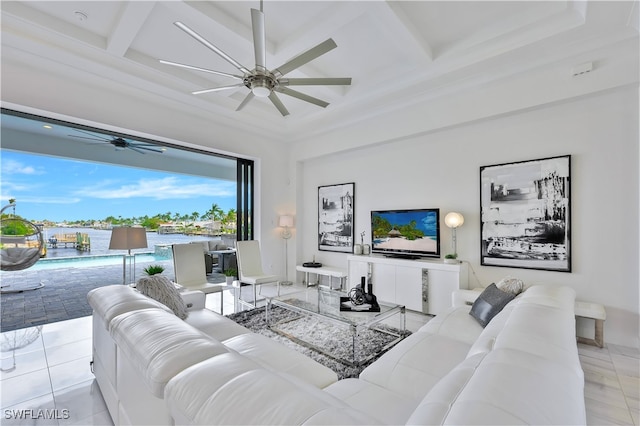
<point>76,181</point>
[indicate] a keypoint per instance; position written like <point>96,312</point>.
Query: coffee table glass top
<point>326,302</point>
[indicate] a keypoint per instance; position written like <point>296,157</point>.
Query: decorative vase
<point>366,249</point>
<point>230,280</point>
<point>357,249</point>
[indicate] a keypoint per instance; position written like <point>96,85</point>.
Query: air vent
<point>582,69</point>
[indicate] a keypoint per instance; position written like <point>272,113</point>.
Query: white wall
<point>441,169</point>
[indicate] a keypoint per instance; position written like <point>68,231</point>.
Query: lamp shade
<point>127,238</point>
<point>285,221</point>
<point>453,220</point>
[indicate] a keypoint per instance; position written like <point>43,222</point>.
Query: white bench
<point>596,312</point>
<point>327,271</point>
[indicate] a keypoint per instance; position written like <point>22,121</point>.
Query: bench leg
<point>599,337</point>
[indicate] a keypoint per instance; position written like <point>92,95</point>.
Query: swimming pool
<point>90,261</point>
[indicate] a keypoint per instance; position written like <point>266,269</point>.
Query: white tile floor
<point>50,381</point>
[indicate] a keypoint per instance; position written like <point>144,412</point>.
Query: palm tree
<point>215,212</point>
<point>230,218</point>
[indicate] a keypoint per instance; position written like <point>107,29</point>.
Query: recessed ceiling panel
<point>444,25</point>
<point>98,17</point>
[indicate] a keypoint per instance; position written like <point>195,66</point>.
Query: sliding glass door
<point>245,199</point>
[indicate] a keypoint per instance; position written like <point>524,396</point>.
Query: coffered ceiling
<point>396,52</point>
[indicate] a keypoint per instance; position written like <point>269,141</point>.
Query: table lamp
<point>286,222</point>
<point>454,220</point>
<point>127,238</point>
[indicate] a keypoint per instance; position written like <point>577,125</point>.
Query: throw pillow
<point>489,304</point>
<point>511,285</point>
<point>160,288</point>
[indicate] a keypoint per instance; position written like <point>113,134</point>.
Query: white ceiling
<point>395,51</point>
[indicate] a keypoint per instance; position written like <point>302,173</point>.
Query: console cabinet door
<point>442,284</point>
<point>357,270</point>
<point>409,287</point>
<point>384,282</point>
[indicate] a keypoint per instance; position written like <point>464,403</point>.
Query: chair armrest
<point>465,297</point>
<point>194,299</point>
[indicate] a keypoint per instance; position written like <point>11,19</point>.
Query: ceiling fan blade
<point>160,151</point>
<point>191,67</point>
<point>91,139</point>
<point>305,57</point>
<point>275,100</point>
<point>207,44</point>
<point>217,89</point>
<point>143,144</point>
<point>245,101</point>
<point>133,148</point>
<point>259,39</point>
<point>90,134</point>
<point>315,81</point>
<point>302,96</point>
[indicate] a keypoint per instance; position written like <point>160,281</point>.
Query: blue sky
<point>60,189</point>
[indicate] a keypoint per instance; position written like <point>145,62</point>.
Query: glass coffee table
<point>352,337</point>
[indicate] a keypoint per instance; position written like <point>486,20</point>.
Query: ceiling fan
<point>260,81</point>
<point>121,143</point>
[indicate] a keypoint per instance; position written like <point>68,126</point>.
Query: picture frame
<point>525,214</point>
<point>336,217</point>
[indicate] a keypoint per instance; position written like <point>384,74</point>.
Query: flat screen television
<point>411,233</point>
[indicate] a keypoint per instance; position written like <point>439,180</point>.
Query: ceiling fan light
<point>261,91</point>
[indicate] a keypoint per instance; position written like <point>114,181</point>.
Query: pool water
<point>90,261</point>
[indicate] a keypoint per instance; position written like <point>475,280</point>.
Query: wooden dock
<point>80,241</point>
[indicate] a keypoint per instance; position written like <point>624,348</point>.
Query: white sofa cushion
<point>385,406</point>
<point>275,356</point>
<point>415,364</point>
<point>455,323</point>
<point>232,389</point>
<point>514,387</point>
<point>487,339</point>
<point>547,295</point>
<point>110,301</point>
<point>528,330</point>
<point>216,326</point>
<point>435,406</point>
<point>159,345</point>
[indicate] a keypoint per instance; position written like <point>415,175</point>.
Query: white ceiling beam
<point>132,18</point>
<point>406,23</point>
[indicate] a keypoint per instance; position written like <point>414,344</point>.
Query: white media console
<point>420,285</point>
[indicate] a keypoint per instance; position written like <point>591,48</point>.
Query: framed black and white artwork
<point>335,217</point>
<point>525,214</point>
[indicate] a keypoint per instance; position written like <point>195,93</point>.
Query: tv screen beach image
<point>405,230</point>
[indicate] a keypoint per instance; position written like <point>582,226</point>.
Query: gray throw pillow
<point>489,304</point>
<point>160,288</point>
<point>511,285</point>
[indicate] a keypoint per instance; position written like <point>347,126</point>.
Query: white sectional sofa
<point>522,368</point>
<point>139,345</point>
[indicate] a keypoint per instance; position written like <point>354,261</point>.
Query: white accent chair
<point>250,269</point>
<point>189,268</point>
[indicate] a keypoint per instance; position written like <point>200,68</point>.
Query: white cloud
<point>158,189</point>
<point>15,167</point>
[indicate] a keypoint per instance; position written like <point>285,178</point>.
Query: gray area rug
<point>334,339</point>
